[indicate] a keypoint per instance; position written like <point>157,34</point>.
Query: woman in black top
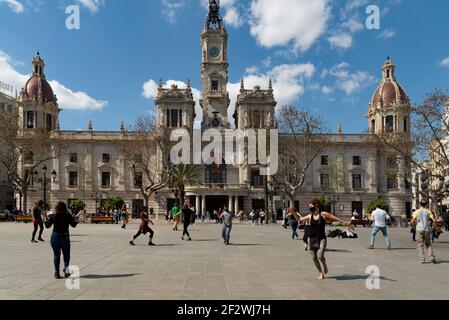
<point>37,221</point>
<point>317,240</point>
<point>144,228</point>
<point>61,220</point>
<point>187,214</point>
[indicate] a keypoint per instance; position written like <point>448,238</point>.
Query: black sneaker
<point>151,244</point>
<point>57,275</point>
<point>67,274</point>
<point>132,243</point>
<point>40,239</point>
<point>34,241</point>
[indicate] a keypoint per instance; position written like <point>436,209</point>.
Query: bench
<point>24,219</point>
<point>97,219</point>
<point>358,222</point>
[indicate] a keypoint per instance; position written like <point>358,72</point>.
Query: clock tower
<point>214,70</point>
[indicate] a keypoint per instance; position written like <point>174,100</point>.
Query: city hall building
<point>94,169</point>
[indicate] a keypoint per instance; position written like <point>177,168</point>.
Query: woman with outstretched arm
<point>317,240</point>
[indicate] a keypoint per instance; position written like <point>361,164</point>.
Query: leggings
<point>150,231</point>
<point>41,226</point>
<point>294,225</point>
<point>318,257</point>
<point>60,242</point>
<point>185,232</point>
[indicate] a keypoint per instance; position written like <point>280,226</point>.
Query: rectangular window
<point>30,119</point>
<point>168,118</point>
<point>49,122</point>
<point>324,160</point>
<point>356,181</point>
<point>74,158</point>
<point>73,179</point>
<point>174,118</point>
<point>392,183</point>
<point>214,85</point>
<point>138,178</point>
<point>324,181</point>
<point>256,179</point>
<point>105,179</point>
<point>106,158</point>
<point>180,119</point>
<point>408,185</point>
<point>356,161</point>
<point>389,123</point>
<point>405,125</point>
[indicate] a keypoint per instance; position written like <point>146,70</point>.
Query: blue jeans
<point>226,234</point>
<point>385,234</point>
<point>294,225</point>
<point>60,242</point>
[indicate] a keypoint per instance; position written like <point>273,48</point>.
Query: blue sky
<point>318,52</point>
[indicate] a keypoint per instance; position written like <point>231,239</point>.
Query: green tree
<point>113,203</point>
<point>326,203</point>
<point>77,205</point>
<point>183,176</point>
<point>377,203</point>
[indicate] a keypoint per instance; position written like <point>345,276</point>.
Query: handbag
<point>314,243</point>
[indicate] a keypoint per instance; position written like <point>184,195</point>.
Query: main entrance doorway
<point>216,202</point>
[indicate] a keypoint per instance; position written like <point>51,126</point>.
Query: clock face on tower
<point>214,52</point>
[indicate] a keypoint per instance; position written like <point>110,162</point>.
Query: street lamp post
<point>44,170</point>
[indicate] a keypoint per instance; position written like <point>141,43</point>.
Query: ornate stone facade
<point>93,168</point>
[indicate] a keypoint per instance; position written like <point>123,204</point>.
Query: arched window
<point>29,157</point>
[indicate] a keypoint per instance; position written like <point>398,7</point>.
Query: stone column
<point>373,171</point>
<point>203,203</point>
<point>231,204</point>
<point>236,205</point>
<point>197,205</point>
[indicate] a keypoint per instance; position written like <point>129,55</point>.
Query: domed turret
<point>37,88</point>
<point>389,107</point>
<point>390,91</point>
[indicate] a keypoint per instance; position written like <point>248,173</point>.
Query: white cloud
<point>327,90</point>
<point>354,25</point>
<point>67,99</point>
<point>350,81</point>
<point>288,83</point>
<point>281,22</point>
<point>387,34</point>
<point>150,89</point>
<point>445,62</point>
<point>79,100</point>
<point>341,41</point>
<point>288,86</point>
<point>15,5</point>
<point>170,9</point>
<point>92,5</point>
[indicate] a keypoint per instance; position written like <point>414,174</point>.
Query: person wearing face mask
<point>317,240</point>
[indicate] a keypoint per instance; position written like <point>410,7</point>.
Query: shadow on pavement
<point>245,244</point>
<point>205,240</point>
<point>347,277</point>
<point>338,250</point>
<point>109,276</point>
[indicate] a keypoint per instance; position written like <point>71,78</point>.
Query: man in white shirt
<point>380,217</point>
<point>422,218</point>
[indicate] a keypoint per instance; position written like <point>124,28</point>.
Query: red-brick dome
<point>32,89</point>
<point>390,91</point>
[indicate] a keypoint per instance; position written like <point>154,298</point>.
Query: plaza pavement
<point>262,263</point>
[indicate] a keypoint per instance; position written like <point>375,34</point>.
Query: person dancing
<point>37,221</point>
<point>125,216</point>
<point>61,220</point>
<point>317,241</point>
<point>187,214</point>
<point>144,228</point>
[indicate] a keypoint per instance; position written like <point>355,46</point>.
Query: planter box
<point>101,220</point>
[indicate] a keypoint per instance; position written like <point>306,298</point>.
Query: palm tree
<point>182,176</point>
